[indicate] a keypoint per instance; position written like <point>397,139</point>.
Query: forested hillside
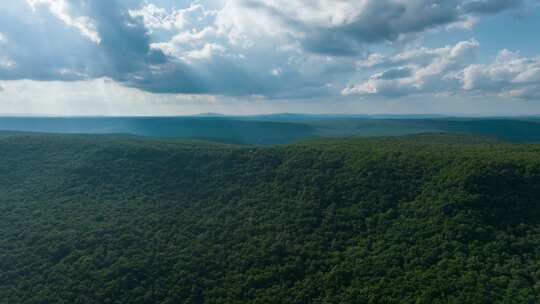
<point>417,219</point>
<point>279,129</point>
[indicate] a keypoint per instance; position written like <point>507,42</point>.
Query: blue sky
<point>164,57</point>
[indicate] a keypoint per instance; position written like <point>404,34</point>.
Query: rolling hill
<point>279,128</point>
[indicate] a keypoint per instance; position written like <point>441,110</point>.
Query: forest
<point>280,128</point>
<point>427,218</point>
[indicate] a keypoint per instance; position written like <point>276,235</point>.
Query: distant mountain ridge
<point>209,114</point>
<point>279,128</point>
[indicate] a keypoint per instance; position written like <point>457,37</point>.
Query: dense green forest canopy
<point>415,219</point>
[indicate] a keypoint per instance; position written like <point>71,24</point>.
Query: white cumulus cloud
<point>508,75</point>
<point>450,70</point>
<point>155,17</point>
<point>415,71</point>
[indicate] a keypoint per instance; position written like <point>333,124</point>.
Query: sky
<point>166,57</point>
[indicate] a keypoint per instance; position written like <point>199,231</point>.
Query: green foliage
<point>420,219</point>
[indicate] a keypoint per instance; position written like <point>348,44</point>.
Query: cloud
<point>396,73</point>
<point>125,41</point>
<point>6,63</point>
<point>450,70</point>
<point>415,71</point>
<point>275,48</point>
<point>206,52</point>
<point>508,75</point>
<point>466,23</point>
<point>50,51</point>
<point>276,72</point>
<point>60,9</point>
<point>344,28</point>
<point>205,59</point>
<point>217,41</point>
<point>200,41</point>
<point>155,17</point>
<point>489,6</point>
<point>39,46</point>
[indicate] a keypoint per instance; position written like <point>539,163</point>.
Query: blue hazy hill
<point>279,128</point>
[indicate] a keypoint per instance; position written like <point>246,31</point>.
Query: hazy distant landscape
<point>280,128</point>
